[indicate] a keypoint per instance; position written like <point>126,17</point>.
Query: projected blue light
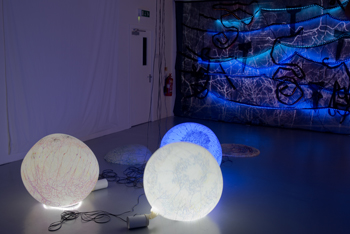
<point>313,54</point>
<point>315,30</point>
<point>231,107</point>
<point>221,102</point>
<point>295,8</point>
<point>311,117</point>
<point>197,134</point>
<point>237,22</point>
<point>310,10</point>
<point>267,66</point>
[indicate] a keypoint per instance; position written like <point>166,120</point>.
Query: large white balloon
<point>183,181</point>
<point>59,170</point>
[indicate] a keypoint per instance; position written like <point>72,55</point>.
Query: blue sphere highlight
<point>197,134</point>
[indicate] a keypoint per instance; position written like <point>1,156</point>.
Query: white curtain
<point>59,61</point>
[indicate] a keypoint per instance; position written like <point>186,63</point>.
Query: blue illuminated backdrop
<point>264,63</point>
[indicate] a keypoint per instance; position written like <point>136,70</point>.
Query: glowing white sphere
<point>59,170</point>
<point>197,134</point>
<point>183,181</point>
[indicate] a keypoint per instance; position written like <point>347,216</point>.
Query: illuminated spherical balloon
<point>183,181</point>
<point>59,170</point>
<point>197,134</point>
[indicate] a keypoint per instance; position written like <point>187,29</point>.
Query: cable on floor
<point>98,216</point>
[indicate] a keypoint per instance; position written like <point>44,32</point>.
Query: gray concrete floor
<point>300,183</point>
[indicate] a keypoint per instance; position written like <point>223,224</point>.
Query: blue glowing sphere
<point>197,134</point>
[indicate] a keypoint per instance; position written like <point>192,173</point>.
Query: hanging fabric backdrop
<point>277,63</point>
<point>58,72</point>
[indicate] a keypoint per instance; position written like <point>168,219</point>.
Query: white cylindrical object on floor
<point>137,221</point>
<point>101,184</point>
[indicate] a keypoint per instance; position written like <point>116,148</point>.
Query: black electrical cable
<point>133,176</point>
<point>98,216</point>
<point>159,52</point>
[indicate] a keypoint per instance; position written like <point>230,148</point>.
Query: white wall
<point>126,16</point>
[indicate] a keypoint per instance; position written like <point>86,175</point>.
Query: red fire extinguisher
<point>168,87</point>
